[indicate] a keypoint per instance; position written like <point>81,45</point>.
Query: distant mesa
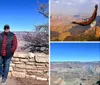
<point>76,16</point>
<point>98,19</point>
<point>50,17</point>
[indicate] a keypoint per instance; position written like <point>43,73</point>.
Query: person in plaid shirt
<point>8,45</point>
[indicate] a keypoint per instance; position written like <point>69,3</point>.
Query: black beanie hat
<point>6,26</point>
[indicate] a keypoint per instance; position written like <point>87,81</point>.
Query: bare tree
<point>38,41</point>
<point>43,9</point>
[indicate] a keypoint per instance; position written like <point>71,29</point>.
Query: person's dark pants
<point>4,68</point>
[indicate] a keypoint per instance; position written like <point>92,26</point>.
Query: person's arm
<point>14,44</point>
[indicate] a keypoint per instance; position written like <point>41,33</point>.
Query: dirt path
<point>23,81</point>
<point>11,81</point>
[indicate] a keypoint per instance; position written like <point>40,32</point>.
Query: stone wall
<point>29,65</point>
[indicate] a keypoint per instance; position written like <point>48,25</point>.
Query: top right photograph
<point>75,20</point>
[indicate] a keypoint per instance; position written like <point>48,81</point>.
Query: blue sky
<point>72,7</point>
<point>21,15</point>
<point>75,52</point>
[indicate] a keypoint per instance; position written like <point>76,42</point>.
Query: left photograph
<point>24,42</point>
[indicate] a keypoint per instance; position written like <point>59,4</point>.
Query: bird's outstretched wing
<point>90,20</point>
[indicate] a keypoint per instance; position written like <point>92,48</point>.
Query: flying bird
<point>90,20</point>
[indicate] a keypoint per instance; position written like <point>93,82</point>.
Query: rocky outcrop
<point>30,65</point>
<point>75,73</point>
<point>98,32</point>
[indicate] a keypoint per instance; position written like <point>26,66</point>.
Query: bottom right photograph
<point>75,63</point>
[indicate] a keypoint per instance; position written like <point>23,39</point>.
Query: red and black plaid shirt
<point>13,47</point>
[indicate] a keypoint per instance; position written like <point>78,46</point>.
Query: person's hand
<point>12,50</point>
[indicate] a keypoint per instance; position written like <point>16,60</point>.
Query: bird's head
<point>96,6</point>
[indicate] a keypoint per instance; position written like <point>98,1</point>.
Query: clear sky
<point>21,15</point>
<point>75,52</point>
<point>72,7</point>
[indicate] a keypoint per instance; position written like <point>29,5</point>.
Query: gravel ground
<point>29,81</point>
<point>25,81</point>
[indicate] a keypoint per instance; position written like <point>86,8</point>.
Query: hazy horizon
<point>72,7</point>
<point>72,61</point>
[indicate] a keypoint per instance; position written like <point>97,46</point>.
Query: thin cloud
<point>56,2</point>
<point>96,1</point>
<point>82,1</point>
<point>69,3</point>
